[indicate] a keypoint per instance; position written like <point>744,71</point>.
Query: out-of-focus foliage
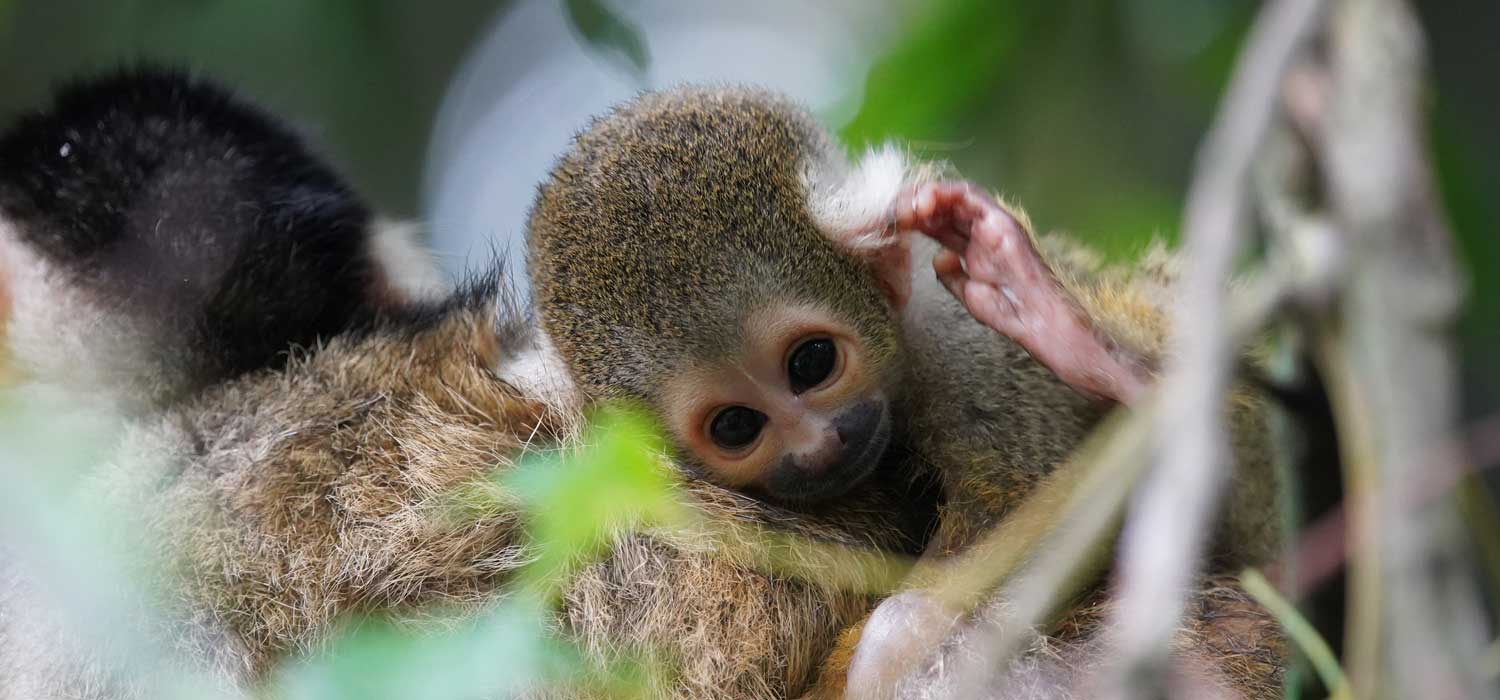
<point>1089,112</point>
<point>578,502</point>
<point>78,559</point>
<point>617,482</point>
<point>938,70</point>
<point>1088,115</point>
<point>491,655</point>
<point>580,499</point>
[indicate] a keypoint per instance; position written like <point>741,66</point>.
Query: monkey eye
<point>811,363</point>
<point>736,426</point>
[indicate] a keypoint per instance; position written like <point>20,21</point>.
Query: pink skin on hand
<point>990,265</point>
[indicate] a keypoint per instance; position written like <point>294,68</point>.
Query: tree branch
<point>1164,533</point>
<point>1415,626</point>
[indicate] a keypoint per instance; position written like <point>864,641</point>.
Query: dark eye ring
<point>736,427</point>
<point>811,363</point>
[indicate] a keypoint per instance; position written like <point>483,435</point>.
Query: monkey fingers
<point>990,264</point>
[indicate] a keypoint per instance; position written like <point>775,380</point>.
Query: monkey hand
<point>991,265</point>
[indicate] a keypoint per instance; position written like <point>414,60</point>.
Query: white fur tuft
<point>60,338</point>
<point>407,266</point>
<point>852,206</point>
<point>537,370</point>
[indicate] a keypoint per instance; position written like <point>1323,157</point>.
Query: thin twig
<point>1111,462</point>
<point>1301,631</point>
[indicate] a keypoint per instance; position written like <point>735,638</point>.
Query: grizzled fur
<point>292,483</point>
<point>284,501</point>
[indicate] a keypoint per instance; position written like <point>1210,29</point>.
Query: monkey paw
<point>991,265</point>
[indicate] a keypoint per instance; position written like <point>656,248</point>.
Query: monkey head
<point>682,255</point>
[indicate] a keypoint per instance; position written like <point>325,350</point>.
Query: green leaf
<point>938,69</point>
<point>79,548</point>
<point>610,34</point>
<point>494,655</point>
<point>617,481</point>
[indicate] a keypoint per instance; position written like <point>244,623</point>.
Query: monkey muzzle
<point>858,439</point>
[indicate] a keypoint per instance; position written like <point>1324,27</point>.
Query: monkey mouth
<point>794,487</point>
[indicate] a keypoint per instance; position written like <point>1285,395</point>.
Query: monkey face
<point>799,414</point>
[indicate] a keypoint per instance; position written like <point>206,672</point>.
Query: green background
<point>1087,111</point>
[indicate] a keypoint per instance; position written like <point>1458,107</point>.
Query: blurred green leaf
<point>76,547</point>
<point>492,655</point>
<point>576,503</point>
<point>941,66</point>
<point>610,34</point>
<point>615,482</point>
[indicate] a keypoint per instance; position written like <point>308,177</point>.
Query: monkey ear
<point>855,209</point>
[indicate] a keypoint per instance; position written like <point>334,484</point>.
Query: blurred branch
<point>1415,625</point>
<point>1322,549</point>
<point>1381,326</point>
<point>1056,542</point>
<point>1067,559</point>
<point>1174,508</point>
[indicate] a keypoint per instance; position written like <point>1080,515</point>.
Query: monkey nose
<point>829,453</point>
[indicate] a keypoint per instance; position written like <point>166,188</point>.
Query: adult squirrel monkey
<point>300,405</point>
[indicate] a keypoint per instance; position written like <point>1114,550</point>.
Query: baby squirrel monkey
<point>709,253</point>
